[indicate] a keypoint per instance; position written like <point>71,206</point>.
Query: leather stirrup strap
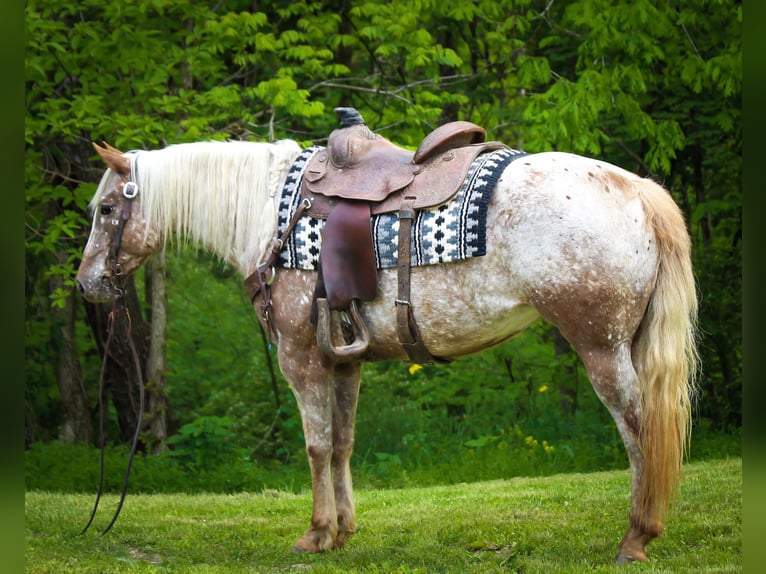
<point>407,329</point>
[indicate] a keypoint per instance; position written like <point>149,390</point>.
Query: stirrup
<point>353,350</point>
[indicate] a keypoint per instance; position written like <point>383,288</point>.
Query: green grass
<point>561,523</point>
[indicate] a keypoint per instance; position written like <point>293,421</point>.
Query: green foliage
<point>61,467</point>
<point>75,468</point>
<point>533,413</point>
<point>205,443</point>
<point>649,85</point>
<point>218,363</point>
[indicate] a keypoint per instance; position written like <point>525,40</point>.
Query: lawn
<point>562,523</point>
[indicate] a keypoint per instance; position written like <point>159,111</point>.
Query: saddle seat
<point>358,164</point>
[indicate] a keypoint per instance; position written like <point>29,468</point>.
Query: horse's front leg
<point>346,393</point>
<point>311,381</point>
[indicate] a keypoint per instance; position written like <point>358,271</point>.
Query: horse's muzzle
<point>99,290</point>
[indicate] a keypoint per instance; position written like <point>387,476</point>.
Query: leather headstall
<point>129,191</point>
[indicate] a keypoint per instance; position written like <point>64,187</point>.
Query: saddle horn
<point>344,353</point>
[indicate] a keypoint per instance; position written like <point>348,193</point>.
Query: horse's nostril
<point>81,288</point>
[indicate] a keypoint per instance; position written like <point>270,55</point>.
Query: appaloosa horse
<point>592,248</point>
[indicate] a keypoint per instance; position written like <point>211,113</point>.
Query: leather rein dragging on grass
<point>117,278</point>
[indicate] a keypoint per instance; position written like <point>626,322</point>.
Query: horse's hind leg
<point>346,386</point>
<point>616,383</point>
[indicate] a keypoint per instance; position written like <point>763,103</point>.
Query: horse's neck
<point>223,195</point>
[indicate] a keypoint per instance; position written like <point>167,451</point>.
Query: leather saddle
<point>360,174</point>
<point>360,165</point>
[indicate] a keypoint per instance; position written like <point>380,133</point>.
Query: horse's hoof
<point>340,542</point>
<point>313,541</point>
<point>625,559</point>
<point>301,549</point>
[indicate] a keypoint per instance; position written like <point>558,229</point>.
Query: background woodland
<point>653,86</point>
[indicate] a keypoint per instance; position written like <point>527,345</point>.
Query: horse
<point>600,252</point>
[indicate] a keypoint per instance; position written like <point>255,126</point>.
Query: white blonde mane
<point>221,194</point>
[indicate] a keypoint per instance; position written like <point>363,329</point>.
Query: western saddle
<point>360,174</point>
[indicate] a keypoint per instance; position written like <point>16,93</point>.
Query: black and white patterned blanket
<point>454,231</point>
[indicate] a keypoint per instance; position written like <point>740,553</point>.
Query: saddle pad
<point>451,232</point>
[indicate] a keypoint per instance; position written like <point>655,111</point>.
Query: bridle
<point>129,191</point>
<point>117,278</point>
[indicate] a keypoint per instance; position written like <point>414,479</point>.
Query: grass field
<point>562,523</point>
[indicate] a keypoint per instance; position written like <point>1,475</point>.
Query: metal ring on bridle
<point>130,189</point>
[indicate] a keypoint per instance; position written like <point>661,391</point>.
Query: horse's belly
<point>460,308</point>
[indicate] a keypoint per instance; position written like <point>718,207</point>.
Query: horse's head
<point>119,242</point>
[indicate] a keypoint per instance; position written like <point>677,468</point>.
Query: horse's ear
<point>114,158</point>
<point>111,148</point>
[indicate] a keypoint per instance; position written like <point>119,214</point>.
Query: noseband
<point>117,279</point>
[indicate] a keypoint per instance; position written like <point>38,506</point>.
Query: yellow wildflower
<point>542,389</point>
<point>414,368</point>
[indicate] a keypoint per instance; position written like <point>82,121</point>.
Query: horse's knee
<point>342,450</point>
<point>319,451</point>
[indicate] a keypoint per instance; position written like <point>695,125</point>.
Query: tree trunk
<point>76,425</point>
<point>156,363</point>
<point>699,187</point>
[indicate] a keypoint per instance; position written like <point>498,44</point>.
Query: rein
<point>130,190</point>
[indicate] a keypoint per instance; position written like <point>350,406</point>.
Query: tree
<point>650,85</point>
<point>156,364</point>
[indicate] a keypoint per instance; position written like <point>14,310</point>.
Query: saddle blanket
<point>451,232</point>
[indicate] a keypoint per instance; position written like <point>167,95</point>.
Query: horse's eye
<point>106,209</point>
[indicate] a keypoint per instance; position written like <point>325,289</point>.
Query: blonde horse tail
<point>666,360</point>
